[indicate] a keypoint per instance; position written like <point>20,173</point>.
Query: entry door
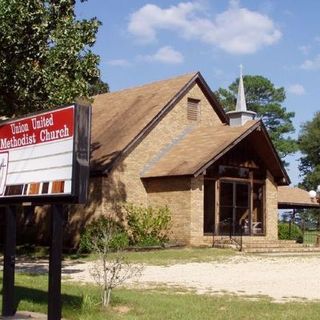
<point>234,208</point>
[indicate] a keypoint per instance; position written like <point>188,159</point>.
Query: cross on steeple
<point>241,99</point>
<point>241,115</point>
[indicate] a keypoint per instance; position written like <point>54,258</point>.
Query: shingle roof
<point>198,148</point>
<point>203,146</point>
<point>289,197</point>
<point>120,119</point>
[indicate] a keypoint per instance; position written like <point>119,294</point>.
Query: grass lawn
<point>170,256</point>
<point>81,302</point>
<point>153,257</point>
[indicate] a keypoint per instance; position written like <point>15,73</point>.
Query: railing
<point>232,230</point>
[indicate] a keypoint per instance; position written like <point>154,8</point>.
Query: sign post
<point>54,295</point>
<point>44,159</point>
<point>8,301</point>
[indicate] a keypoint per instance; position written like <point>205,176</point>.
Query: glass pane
<point>226,194</point>
<point>242,195</point>
<point>242,219</point>
<point>226,223</point>
<point>257,210</point>
<point>234,172</point>
<point>209,206</point>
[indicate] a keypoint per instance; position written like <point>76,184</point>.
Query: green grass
<point>151,257</point>
<point>170,256</point>
<point>310,237</point>
<point>81,302</point>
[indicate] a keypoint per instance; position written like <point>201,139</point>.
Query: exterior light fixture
<point>315,195</point>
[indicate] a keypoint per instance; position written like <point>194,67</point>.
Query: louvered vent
<point>193,109</point>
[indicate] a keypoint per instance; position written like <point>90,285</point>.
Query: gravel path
<point>281,278</point>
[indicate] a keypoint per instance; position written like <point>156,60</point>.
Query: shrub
<point>284,232</point>
<point>147,226</point>
<point>117,240</point>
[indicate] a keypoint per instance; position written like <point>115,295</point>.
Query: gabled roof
<point>203,146</point>
<point>291,198</point>
<point>121,119</point>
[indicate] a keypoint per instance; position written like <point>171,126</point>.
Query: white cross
<point>241,68</point>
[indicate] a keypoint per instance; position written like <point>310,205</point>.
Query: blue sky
<point>142,41</point>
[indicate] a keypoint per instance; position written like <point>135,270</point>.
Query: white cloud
<point>305,49</point>
<point>297,89</point>
<point>119,63</point>
<point>165,55</point>
<point>236,30</point>
<point>311,64</point>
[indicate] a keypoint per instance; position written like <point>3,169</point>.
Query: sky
<point>143,41</point>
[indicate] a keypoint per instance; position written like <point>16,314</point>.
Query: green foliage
<point>144,227</point>
<point>284,232</point>
<point>94,236</point>
<point>310,148</point>
<point>98,87</point>
<point>147,225</point>
<point>263,98</point>
<point>45,56</point>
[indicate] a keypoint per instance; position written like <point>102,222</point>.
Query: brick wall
<point>124,183</point>
<point>271,207</point>
<point>171,126</point>
<point>176,194</point>
<point>196,232</point>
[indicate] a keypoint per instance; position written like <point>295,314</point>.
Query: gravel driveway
<point>282,278</point>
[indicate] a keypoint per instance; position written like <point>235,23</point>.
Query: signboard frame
<point>80,160</point>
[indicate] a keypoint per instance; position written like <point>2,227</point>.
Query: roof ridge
<point>147,84</point>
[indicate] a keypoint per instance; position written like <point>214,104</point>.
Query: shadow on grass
<point>40,297</point>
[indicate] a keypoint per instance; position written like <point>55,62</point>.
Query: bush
<point>118,238</point>
<point>147,226</point>
<point>285,234</point>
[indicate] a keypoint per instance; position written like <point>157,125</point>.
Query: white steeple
<point>241,99</point>
<point>241,115</point>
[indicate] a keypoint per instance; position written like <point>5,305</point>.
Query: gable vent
<point>193,109</point>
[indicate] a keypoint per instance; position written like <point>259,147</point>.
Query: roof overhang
<point>295,198</point>
<point>276,161</point>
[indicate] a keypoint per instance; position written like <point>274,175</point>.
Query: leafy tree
<point>265,99</point>
<point>309,144</point>
<point>45,56</point>
<point>98,87</point>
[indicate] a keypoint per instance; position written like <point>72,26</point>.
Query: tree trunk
<point>108,297</point>
<point>105,298</point>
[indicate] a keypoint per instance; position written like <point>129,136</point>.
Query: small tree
<point>111,269</point>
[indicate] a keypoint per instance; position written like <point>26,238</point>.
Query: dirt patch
<point>122,309</point>
<point>282,278</point>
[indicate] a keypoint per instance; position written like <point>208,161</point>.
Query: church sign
<point>44,157</point>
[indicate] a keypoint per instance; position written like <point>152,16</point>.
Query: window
<point>209,206</point>
<point>193,109</point>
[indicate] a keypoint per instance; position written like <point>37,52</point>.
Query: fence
<point>309,231</point>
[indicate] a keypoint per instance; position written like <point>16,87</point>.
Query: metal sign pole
<point>54,295</point>
<point>8,292</point>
